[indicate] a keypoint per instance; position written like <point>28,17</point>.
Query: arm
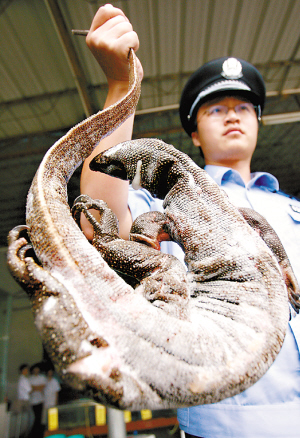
<point>109,39</point>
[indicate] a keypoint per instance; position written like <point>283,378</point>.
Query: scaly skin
<point>175,339</point>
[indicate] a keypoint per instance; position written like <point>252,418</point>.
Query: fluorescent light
<point>276,119</point>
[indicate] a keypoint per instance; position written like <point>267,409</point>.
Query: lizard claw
<point>107,226</point>
<point>18,247</point>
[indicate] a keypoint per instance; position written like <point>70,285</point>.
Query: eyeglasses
<point>220,111</point>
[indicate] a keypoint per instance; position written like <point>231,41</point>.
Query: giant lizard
<point>120,320</point>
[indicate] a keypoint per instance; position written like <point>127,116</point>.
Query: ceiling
<point>50,81</point>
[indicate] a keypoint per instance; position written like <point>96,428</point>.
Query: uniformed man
<point>220,109</point>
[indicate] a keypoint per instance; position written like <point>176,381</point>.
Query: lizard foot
<point>24,266</point>
<point>19,253</point>
<point>107,226</point>
<point>150,228</point>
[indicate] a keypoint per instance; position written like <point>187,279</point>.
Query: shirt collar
<point>221,175</point>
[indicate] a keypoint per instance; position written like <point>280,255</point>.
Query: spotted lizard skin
<point>121,321</point>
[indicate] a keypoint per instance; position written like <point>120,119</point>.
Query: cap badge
<point>232,69</point>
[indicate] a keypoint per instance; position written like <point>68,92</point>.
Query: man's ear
<point>195,138</point>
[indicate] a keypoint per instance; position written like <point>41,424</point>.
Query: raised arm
<point>109,39</point>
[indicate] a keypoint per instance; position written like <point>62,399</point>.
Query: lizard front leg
<point>269,236</point>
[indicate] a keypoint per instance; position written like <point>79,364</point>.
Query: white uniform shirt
<point>37,397</point>
<point>51,389</point>
<point>24,388</point>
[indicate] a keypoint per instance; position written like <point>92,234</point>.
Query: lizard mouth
<point>108,166</point>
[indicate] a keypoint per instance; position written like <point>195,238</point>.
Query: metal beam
<point>39,98</point>
<point>276,119</point>
<point>71,55</point>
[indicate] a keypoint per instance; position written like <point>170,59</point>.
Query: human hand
<point>110,38</point>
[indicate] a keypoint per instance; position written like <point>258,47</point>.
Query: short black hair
<point>23,366</point>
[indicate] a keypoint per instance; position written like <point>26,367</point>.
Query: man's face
<point>226,131</point>
<point>35,371</point>
<point>25,371</point>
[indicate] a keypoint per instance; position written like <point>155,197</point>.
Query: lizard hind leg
<point>26,269</point>
<point>20,256</point>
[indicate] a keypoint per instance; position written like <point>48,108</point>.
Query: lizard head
<point>146,163</point>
